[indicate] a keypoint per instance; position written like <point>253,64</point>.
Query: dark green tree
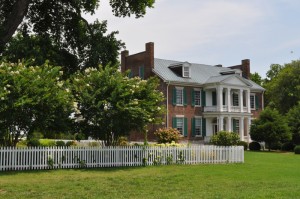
<point>293,118</point>
<point>283,90</point>
<point>60,29</point>
<point>256,78</point>
<point>270,128</point>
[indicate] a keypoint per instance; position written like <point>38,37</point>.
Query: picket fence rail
<point>36,158</point>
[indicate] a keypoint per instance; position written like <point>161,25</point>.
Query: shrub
<point>94,144</point>
<point>71,143</point>
<point>60,143</point>
<point>47,142</point>
<point>22,143</point>
<point>275,146</point>
<point>254,146</point>
<point>33,142</point>
<point>297,149</point>
<point>167,135</point>
<point>122,141</point>
<point>224,138</point>
<point>244,144</point>
<point>288,146</point>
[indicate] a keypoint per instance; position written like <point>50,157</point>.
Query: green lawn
<point>263,175</point>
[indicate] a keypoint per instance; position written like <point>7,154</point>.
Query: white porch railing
<point>210,109</point>
<point>71,157</point>
<point>235,109</point>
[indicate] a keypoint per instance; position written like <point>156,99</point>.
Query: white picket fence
<point>33,158</point>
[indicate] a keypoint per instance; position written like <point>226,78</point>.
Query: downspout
<point>262,101</point>
<point>167,123</point>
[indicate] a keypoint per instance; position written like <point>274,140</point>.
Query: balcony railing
<point>233,109</point>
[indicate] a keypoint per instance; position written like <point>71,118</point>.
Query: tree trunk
<point>14,19</point>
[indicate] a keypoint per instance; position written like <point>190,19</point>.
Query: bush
<point>71,143</point>
<point>244,144</point>
<point>47,142</point>
<point>33,142</point>
<point>254,146</point>
<point>60,143</point>
<point>288,146</point>
<point>122,141</point>
<point>167,135</point>
<point>94,144</point>
<point>224,138</point>
<point>297,149</point>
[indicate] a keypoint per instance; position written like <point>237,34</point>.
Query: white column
<point>249,124</point>
<point>229,128</point>
<point>228,100</point>
<point>241,100</point>
<point>221,123</point>
<point>220,98</point>
<point>242,128</point>
<point>248,101</point>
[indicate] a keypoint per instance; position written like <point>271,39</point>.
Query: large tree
<point>283,89</point>
<point>61,23</point>
<point>111,105</point>
<point>270,127</point>
<point>293,118</point>
<point>32,98</point>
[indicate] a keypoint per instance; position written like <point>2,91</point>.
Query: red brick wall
<point>244,67</point>
<point>261,105</point>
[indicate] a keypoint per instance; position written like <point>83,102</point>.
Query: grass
<point>263,175</point>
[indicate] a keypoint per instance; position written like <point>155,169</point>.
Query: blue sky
<point>215,31</point>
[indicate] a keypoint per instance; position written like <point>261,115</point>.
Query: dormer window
<point>182,69</point>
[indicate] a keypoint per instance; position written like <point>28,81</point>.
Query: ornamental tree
<point>111,105</point>
<point>270,127</point>
<point>32,98</point>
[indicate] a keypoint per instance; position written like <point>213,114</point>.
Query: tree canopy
<point>270,127</point>
<point>111,105</point>
<point>57,27</point>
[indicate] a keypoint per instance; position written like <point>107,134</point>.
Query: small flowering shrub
<point>297,149</point>
<point>224,138</point>
<point>167,135</point>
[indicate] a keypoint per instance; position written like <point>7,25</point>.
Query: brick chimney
<point>244,67</point>
<point>150,55</point>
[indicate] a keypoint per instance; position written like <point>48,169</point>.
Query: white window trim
<point>182,117</point>
<point>199,117</point>
<point>183,71</point>
<point>252,94</point>
<point>179,88</point>
<point>197,89</point>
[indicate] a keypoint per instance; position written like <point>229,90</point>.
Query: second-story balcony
<point>233,109</point>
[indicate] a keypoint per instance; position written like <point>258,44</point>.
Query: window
<point>236,125</point>
<point>180,123</point>
<point>235,99</point>
<point>179,96</point>
<point>252,101</point>
<point>141,72</point>
<point>197,97</point>
<point>186,71</point>
<point>198,127</point>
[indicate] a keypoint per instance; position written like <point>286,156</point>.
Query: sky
<point>213,31</point>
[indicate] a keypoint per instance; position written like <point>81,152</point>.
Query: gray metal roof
<point>200,73</point>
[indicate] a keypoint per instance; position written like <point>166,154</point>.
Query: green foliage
<point>71,143</point>
<point>122,141</point>
<point>47,142</point>
<point>94,144</point>
<point>223,138</point>
<point>33,98</point>
<point>288,146</point>
<point>33,142</point>
<point>60,143</point>
<point>167,135</point>
<point>293,118</point>
<point>297,149</point>
<point>256,78</point>
<point>270,127</point>
<point>109,104</point>
<point>254,146</point>
<point>283,89</point>
<point>244,144</point>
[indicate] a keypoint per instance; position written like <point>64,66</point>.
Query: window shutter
<point>174,122</point>
<point>185,127</point>
<point>184,97</point>
<point>174,96</point>
<point>223,98</point>
<point>193,127</point>
<point>214,98</point>
<point>203,98</point>
<point>193,97</point>
<point>234,125</point>
<point>141,72</point>
<point>257,102</point>
<point>203,127</point>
